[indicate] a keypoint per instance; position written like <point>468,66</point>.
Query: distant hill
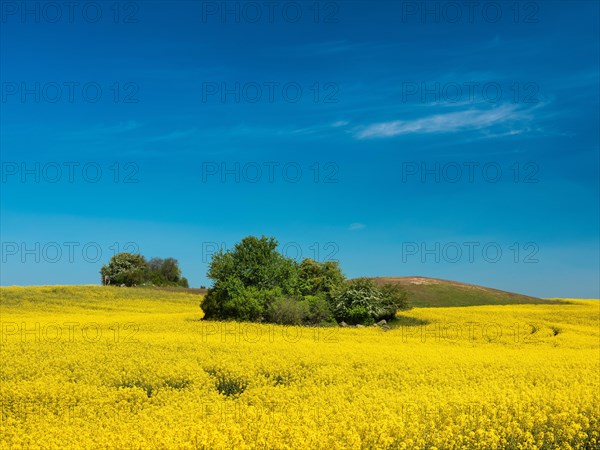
<point>434,292</point>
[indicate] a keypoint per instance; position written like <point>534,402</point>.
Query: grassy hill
<point>424,292</point>
<point>106,299</point>
<point>433,292</point>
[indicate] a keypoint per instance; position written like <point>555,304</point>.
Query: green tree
<point>125,268</point>
<point>320,278</point>
<point>254,282</point>
<point>288,311</point>
<point>132,270</point>
<point>248,278</point>
<point>164,272</point>
<point>255,262</point>
<point>393,299</point>
<point>362,301</point>
<point>358,303</point>
<point>319,309</point>
<point>319,284</point>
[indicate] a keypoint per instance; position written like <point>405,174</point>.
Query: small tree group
<point>364,302</point>
<point>254,282</point>
<point>133,270</point>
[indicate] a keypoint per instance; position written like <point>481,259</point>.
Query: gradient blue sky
<point>368,58</point>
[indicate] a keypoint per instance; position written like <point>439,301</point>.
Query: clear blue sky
<point>455,142</point>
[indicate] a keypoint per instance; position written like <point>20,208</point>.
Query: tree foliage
<point>125,268</point>
<point>254,282</point>
<point>248,279</point>
<point>363,302</point>
<point>320,278</point>
<point>133,270</point>
<point>164,271</point>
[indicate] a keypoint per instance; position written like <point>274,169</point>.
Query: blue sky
<point>448,142</point>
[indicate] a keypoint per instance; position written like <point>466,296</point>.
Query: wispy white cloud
<point>172,136</point>
<point>339,123</point>
<point>357,226</point>
<point>471,119</point>
<point>103,131</point>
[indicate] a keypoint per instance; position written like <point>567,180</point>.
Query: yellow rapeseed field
<point>103,367</point>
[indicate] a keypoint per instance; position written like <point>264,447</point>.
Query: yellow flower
<point>104,367</point>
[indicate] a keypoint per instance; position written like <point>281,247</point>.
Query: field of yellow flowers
<point>104,367</point>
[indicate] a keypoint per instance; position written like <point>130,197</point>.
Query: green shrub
<point>231,300</point>
<point>164,271</point>
<point>248,279</point>
<point>319,309</point>
<point>320,278</point>
<point>362,302</point>
<point>125,268</point>
<point>133,270</point>
<point>288,311</point>
<point>243,306</point>
<point>358,301</point>
<point>227,384</point>
<point>393,299</point>
<point>254,282</point>
<point>359,315</point>
<point>258,268</point>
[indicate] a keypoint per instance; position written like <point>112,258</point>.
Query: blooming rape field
<point>104,367</point>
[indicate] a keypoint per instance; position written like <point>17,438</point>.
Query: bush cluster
<point>254,282</point>
<point>362,302</point>
<point>133,270</point>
